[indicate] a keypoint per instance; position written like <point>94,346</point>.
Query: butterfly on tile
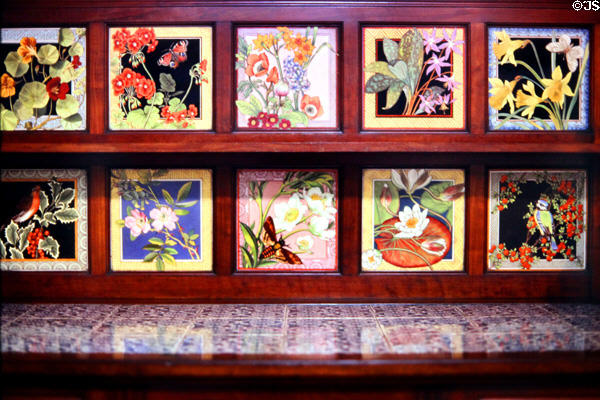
<point>175,55</point>
<point>276,248</point>
<point>572,53</point>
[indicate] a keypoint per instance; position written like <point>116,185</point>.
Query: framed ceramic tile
<point>414,78</point>
<point>413,220</point>
<point>43,79</point>
<point>287,220</point>
<point>538,79</point>
<point>161,220</point>
<point>286,77</point>
<point>160,78</point>
<point>537,220</point>
<point>44,220</point>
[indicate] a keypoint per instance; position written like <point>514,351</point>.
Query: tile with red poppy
<point>537,220</point>
<point>538,78</point>
<point>286,77</point>
<point>413,220</point>
<point>414,77</point>
<point>43,79</point>
<point>160,78</point>
<point>43,220</point>
<point>161,220</point>
<point>287,220</point>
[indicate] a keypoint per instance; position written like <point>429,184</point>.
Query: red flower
<point>145,35</point>
<point>491,250</point>
<point>273,76</point>
<point>164,112</point>
<point>134,44</point>
<point>203,65</point>
<point>253,122</point>
<point>285,124</point>
<point>503,178</point>
<point>311,106</point>
<point>145,89</point>
<point>272,119</point>
<point>129,77</point>
<point>179,115</point>
<point>57,90</point>
<point>192,111</point>
<point>75,62</point>
<point>152,46</point>
<point>262,116</point>
<point>118,85</point>
<point>258,65</point>
<point>120,40</point>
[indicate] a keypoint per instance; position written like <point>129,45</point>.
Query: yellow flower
<point>502,93</point>
<point>286,33</point>
<point>557,87</point>
<point>27,49</point>
<point>507,47</point>
<point>531,100</point>
<point>8,86</point>
<point>264,41</point>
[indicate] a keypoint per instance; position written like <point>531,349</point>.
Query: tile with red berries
<point>43,220</point>
<point>537,220</point>
<point>286,77</point>
<point>160,78</point>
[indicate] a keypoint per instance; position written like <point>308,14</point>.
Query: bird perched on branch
<point>545,221</point>
<point>28,206</point>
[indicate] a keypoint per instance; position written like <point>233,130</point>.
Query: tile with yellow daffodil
<point>538,79</point>
<point>413,220</point>
<point>414,78</point>
<point>286,77</point>
<point>43,79</point>
<point>287,220</point>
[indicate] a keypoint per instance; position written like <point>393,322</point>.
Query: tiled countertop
<point>365,331</point>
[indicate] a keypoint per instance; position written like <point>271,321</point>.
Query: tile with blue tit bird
<point>537,220</point>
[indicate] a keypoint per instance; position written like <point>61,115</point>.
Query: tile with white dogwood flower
<point>413,220</point>
<point>287,220</point>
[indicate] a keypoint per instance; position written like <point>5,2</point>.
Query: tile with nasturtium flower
<point>160,78</point>
<point>161,220</point>
<point>287,220</point>
<point>43,79</point>
<point>43,220</point>
<point>286,77</point>
<point>413,220</point>
<point>414,78</point>
<point>538,78</point>
<point>537,220</point>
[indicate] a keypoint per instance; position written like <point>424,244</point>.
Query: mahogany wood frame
<point>349,150</point>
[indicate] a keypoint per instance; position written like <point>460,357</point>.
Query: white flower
<point>435,245</point>
<point>412,222</point>
<point>320,226</point>
<point>410,180</point>
<point>165,217</point>
<point>319,202</point>
<point>287,215</point>
<point>305,242</point>
<point>371,259</point>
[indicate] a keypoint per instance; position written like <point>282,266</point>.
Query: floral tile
<point>51,326</point>
<point>142,326</point>
<point>11,311</point>
<point>160,78</point>
<point>547,70</point>
<point>328,338</point>
<point>502,342</point>
<point>523,323</point>
<point>413,220</point>
<point>501,310</point>
<point>208,343</point>
<point>236,311</point>
<point>572,309</point>
<point>416,311</point>
<point>588,323</point>
<point>286,77</point>
<point>414,77</point>
<point>44,70</point>
<point>32,342</point>
<point>95,312</point>
<point>328,311</point>
<point>46,211</point>
<point>287,220</point>
<point>152,311</point>
<point>161,220</point>
<point>537,220</point>
<point>246,326</point>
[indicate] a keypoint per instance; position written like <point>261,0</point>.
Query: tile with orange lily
<point>43,79</point>
<point>537,220</point>
<point>414,77</point>
<point>413,220</point>
<point>287,220</point>
<point>43,220</point>
<point>160,78</point>
<point>286,78</point>
<point>538,78</point>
